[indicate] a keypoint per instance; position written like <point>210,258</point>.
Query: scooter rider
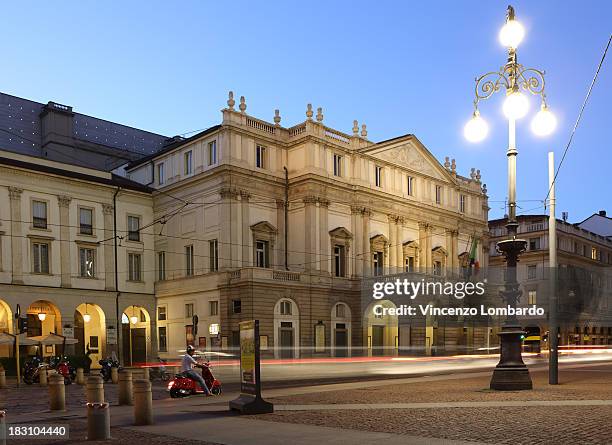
<point>187,365</point>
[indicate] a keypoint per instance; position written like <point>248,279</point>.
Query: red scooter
<point>183,386</point>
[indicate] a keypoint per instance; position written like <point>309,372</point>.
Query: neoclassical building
<point>283,224</point>
<point>63,228</point>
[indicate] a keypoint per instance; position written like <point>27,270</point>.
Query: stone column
<point>64,211</point>
<point>357,229</point>
<point>246,248</point>
<point>310,232</point>
<point>367,255</point>
<point>109,247</point>
<point>455,243</point>
<point>449,248</point>
<point>16,235</point>
<point>399,247</point>
<point>392,242</point>
<point>429,232</point>
<point>422,246</point>
<point>280,224</point>
<point>324,242</point>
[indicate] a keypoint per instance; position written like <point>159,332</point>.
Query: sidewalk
<point>441,409</point>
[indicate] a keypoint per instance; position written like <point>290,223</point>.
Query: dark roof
<point>499,220</point>
<point>115,181</point>
<point>172,146</point>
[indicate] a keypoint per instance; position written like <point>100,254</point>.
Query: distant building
<point>54,131</point>
<point>585,276</point>
<point>598,223</point>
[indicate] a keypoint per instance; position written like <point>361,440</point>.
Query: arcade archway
<point>381,329</point>
<point>44,318</point>
<point>90,331</point>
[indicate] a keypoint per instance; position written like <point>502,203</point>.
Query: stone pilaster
<point>399,245</point>
<point>310,233</point>
<point>367,255</point>
<point>245,247</point>
<point>392,242</point>
<point>357,229</point>
<point>280,219</point>
<point>423,245</point>
<point>64,211</point>
<point>109,247</point>
<point>228,240</point>
<point>16,235</point>
<point>324,246</point>
<point>455,252</point>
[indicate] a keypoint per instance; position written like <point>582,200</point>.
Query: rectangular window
<point>437,268</point>
<point>337,165</point>
<point>189,260</point>
<point>532,297</point>
<point>213,308</point>
<point>532,272</point>
<point>87,257</point>
<point>438,194</point>
<point>339,259</point>
<point>189,310</point>
<point>236,306</point>
<point>161,313</point>
<point>409,263</point>
<point>213,255</point>
<point>39,214</point>
<point>40,257</point>
<point>593,253</point>
<point>161,176</point>
<point>378,175</point>
<point>85,221</point>
<point>133,228</point>
<point>262,254</point>
<point>378,263</point>
<point>134,267</point>
<point>534,243</point>
<point>410,186</point>
<point>161,266</point>
<point>212,153</point>
<point>188,163</point>
<point>163,339</point>
<point>260,156</point>
<point>462,203</point>
<point>285,307</point>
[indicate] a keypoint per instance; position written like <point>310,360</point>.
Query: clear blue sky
<point>400,67</point>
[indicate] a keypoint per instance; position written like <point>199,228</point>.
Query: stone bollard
<point>2,427</point>
<point>80,376</point>
<point>115,375</point>
<point>57,393</point>
<point>2,378</point>
<point>95,389</point>
<point>143,402</point>
<point>43,377</point>
<point>146,374</point>
<point>125,387</point>
<point>98,421</point>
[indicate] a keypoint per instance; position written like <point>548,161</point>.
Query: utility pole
<point>553,339</point>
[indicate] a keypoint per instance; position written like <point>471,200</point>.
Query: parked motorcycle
<point>31,370</point>
<point>107,364</point>
<point>160,372</point>
<point>62,366</point>
<point>183,386</point>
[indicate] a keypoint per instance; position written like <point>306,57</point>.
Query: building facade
<point>63,228</point>
<point>584,278</point>
<point>282,224</point>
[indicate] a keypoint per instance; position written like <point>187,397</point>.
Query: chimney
<point>57,131</point>
<point>602,213</point>
<point>564,215</point>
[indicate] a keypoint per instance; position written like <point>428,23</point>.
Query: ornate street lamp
<point>516,80</point>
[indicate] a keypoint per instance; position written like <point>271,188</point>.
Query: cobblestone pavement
<point>119,436</point>
<point>498,425</point>
<point>33,398</point>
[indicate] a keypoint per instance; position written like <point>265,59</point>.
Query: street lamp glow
<point>516,105</point>
<point>511,34</point>
<point>476,129</point>
<point>86,318</point>
<point>134,319</point>
<point>42,316</point>
<point>544,123</point>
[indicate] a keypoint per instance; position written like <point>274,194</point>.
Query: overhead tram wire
<point>579,118</point>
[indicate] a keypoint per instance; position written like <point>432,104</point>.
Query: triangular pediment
<point>341,232</point>
<point>263,226</point>
<point>411,155</point>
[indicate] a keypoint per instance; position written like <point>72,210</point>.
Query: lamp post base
<point>511,374</point>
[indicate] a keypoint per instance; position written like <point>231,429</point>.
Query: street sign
<point>250,400</point>
<point>111,335</point>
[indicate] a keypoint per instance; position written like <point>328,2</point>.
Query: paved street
<point>456,407</point>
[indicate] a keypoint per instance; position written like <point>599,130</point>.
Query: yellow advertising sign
<point>247,352</point>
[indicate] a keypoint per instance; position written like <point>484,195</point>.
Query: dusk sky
<point>399,67</point>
